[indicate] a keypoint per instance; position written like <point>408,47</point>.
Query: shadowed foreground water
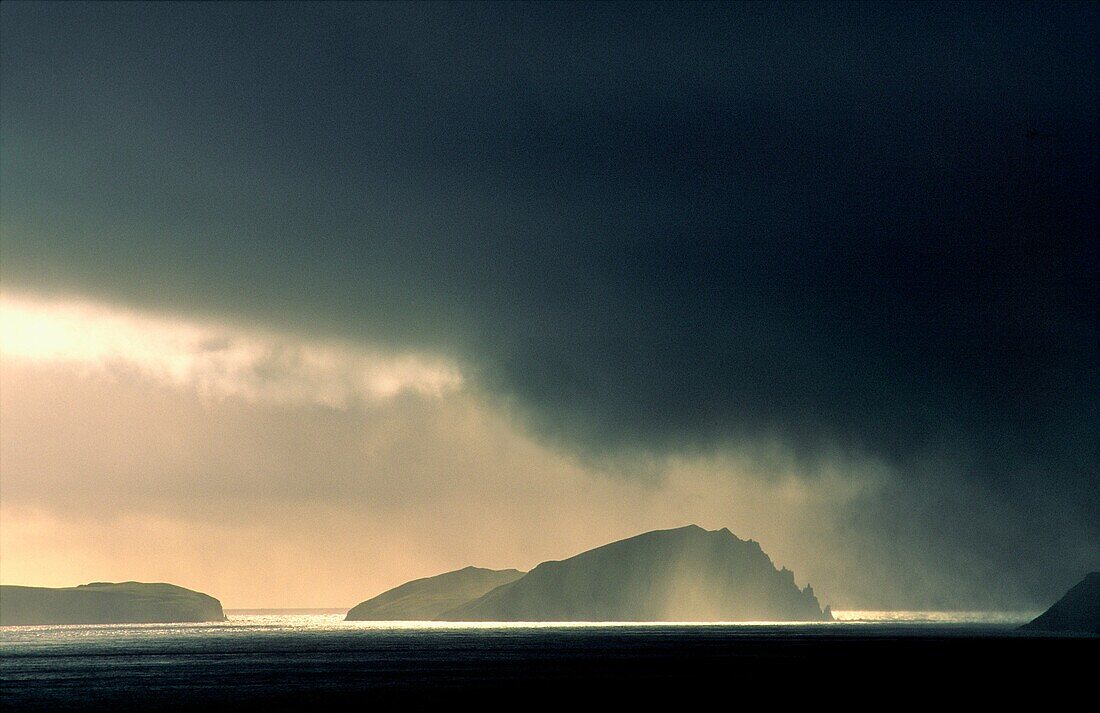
<point>272,662</point>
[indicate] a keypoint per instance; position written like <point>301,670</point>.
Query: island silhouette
<point>106,603</point>
<point>682,574</point>
<point>432,597</point>
<point>1078,611</point>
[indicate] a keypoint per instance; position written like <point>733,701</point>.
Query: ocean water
<point>268,660</point>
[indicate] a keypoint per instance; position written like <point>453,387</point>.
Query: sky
<point>301,301</point>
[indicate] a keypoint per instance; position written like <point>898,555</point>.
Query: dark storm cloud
<point>658,228</point>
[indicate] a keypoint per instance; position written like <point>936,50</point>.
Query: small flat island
<point>432,597</point>
<point>106,603</point>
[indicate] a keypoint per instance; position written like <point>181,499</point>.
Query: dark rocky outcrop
<point>425,599</point>
<point>106,603</point>
<point>1077,612</point>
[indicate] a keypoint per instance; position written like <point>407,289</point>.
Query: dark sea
<point>315,661</point>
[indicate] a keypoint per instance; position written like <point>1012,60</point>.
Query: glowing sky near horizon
<point>142,446</point>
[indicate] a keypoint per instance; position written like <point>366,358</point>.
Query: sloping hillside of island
<point>1078,611</point>
<point>685,574</point>
<point>106,603</point>
<point>428,598</point>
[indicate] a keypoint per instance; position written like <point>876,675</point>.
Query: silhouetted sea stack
<point>106,603</point>
<point>1078,611</point>
<point>425,599</point>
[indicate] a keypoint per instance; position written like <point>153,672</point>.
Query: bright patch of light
<point>218,360</point>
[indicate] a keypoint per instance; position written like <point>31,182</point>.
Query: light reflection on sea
<point>853,616</point>
<point>299,658</point>
<point>249,624</point>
